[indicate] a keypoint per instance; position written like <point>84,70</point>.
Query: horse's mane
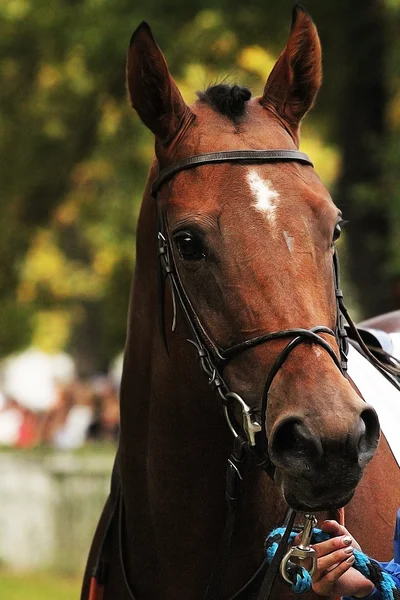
<point>229,100</point>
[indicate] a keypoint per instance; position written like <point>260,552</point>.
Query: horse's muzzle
<point>319,467</point>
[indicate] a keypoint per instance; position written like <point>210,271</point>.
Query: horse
<point>235,253</point>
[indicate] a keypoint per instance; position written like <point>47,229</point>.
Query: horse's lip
<point>320,506</point>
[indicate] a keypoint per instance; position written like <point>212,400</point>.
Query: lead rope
<point>301,579</point>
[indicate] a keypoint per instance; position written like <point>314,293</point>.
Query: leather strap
<point>266,587</point>
<point>234,477</point>
<point>310,334</point>
<point>100,571</point>
<point>244,156</point>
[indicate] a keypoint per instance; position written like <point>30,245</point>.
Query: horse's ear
<point>294,81</point>
<point>152,91</point>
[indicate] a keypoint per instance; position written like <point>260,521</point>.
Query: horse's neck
<point>174,450</point>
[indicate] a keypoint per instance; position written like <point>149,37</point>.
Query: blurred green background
<point>74,156</point>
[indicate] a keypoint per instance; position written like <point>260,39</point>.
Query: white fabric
<point>73,433</point>
<point>380,394</point>
<point>395,337</point>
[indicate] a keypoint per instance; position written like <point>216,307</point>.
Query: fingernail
<point>351,559</point>
<point>346,540</point>
<point>349,550</point>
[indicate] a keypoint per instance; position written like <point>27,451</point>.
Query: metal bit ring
<point>302,551</point>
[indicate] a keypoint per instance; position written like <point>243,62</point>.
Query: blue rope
<point>302,582</point>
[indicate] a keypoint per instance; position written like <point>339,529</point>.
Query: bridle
<point>213,360</point>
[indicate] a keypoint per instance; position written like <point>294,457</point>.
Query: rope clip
<point>301,552</point>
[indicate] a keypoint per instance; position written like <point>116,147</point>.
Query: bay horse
<point>244,232</point>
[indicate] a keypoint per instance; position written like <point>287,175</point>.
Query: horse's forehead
<point>225,188</point>
<point>270,190</point>
<point>257,128</point>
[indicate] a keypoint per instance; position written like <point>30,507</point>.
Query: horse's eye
<point>337,231</point>
<point>190,246</point>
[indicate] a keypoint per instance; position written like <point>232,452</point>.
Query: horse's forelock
<point>229,100</point>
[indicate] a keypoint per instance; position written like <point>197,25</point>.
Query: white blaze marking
<point>266,197</point>
<point>317,351</point>
<point>289,239</point>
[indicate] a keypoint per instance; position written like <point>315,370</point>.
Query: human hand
<point>335,557</point>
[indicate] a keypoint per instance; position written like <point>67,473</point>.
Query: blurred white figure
<point>74,431</point>
<point>115,372</point>
<point>10,422</point>
<point>33,377</point>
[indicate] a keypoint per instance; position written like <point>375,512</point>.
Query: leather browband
<point>246,156</point>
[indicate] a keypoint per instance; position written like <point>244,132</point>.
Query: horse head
<point>251,245</point>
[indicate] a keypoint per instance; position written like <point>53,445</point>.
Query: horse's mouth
<point>304,497</point>
<point>317,504</point>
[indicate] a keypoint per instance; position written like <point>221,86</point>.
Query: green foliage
<point>16,322</point>
<point>74,157</point>
<point>38,586</point>
<point>67,170</point>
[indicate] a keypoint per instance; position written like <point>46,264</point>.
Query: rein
<point>213,359</point>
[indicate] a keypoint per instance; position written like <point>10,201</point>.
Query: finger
<point>334,529</point>
<point>329,526</point>
<point>330,561</point>
<point>334,574</point>
<point>328,582</point>
<point>335,543</point>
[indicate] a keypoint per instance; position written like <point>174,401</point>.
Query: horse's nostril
<point>291,442</point>
<point>369,437</point>
<point>294,446</point>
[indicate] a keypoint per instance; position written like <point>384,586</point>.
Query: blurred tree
<point>74,157</point>
<point>363,137</point>
<point>64,120</point>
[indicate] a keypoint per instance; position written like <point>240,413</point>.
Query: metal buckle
<point>301,552</point>
<point>250,424</point>
<point>163,254</point>
<point>162,243</point>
